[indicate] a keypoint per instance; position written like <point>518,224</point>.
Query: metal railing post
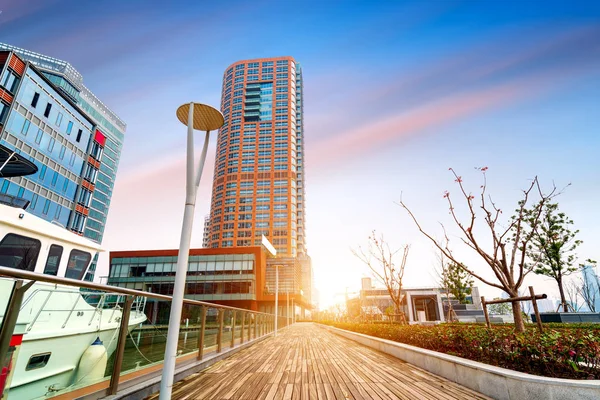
<point>10,318</point>
<point>123,330</point>
<point>243,327</point>
<point>201,333</point>
<point>232,329</point>
<point>255,320</point>
<point>220,332</point>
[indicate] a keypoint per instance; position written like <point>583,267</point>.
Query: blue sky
<point>395,94</point>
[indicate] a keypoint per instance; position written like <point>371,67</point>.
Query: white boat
<point>59,323</point>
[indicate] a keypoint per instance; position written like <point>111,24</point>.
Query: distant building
<point>425,304</point>
<point>592,285</point>
<point>206,232</point>
<point>48,114</point>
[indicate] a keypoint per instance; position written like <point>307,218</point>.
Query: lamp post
<point>203,118</point>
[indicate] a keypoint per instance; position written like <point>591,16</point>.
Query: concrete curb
<point>498,383</point>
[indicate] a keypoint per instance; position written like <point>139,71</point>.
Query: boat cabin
<point>32,244</point>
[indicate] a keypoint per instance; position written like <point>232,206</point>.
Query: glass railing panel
<point>238,326</point>
<point>227,328</point>
<point>211,329</point>
<point>70,336</point>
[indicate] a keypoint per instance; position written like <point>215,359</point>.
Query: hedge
<point>572,353</point>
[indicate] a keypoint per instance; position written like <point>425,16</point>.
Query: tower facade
<point>51,116</point>
<point>258,183</point>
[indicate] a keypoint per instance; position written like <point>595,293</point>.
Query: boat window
<point>19,252</point>
<point>78,263</point>
<point>53,261</point>
<point>38,361</point>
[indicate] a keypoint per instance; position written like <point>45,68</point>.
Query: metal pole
<point>232,329</point>
<point>192,182</point>
<point>7,326</point>
<point>123,330</point>
<point>7,161</point>
<point>220,332</point>
<point>276,295</point>
<point>243,327</point>
<point>201,333</point>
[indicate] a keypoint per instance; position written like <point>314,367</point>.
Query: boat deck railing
<point>206,327</point>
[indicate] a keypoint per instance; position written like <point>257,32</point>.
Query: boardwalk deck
<point>307,362</point>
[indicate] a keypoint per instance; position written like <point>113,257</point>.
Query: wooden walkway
<point>308,362</point>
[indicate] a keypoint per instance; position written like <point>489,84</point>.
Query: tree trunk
<point>518,317</point>
<point>563,300</point>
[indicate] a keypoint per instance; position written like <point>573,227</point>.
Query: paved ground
<point>308,362</point>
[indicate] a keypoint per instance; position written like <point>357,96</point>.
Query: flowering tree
<point>507,255</point>
<point>380,259</point>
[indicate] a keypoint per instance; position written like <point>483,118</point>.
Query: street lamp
<point>203,118</point>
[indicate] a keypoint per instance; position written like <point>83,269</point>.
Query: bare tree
<point>380,259</point>
<point>444,282</point>
<point>509,244</point>
<point>572,300</point>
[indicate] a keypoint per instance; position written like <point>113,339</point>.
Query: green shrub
<point>566,352</point>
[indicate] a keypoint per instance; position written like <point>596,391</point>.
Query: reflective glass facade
<point>209,277</point>
<point>96,168</point>
<point>54,134</point>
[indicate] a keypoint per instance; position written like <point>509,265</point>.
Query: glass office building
<point>97,148</point>
<point>224,276</point>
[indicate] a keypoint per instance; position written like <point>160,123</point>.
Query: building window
<point>10,81</point>
<point>59,118</point>
<point>47,111</point>
<point>54,178</point>
<point>35,99</point>
<point>43,172</point>
<point>39,136</point>
<point>33,202</point>
<point>46,207</point>
<point>25,127</point>
<point>51,144</point>
<point>78,138</point>
<point>69,127</point>
<point>3,112</point>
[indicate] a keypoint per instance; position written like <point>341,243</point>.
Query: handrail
<point>20,274</point>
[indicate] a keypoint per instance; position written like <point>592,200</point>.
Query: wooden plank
<point>307,362</point>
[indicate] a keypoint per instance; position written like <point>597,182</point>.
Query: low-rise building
<point>420,304</point>
<point>236,277</point>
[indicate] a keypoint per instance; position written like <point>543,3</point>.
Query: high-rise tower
<point>258,184</point>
